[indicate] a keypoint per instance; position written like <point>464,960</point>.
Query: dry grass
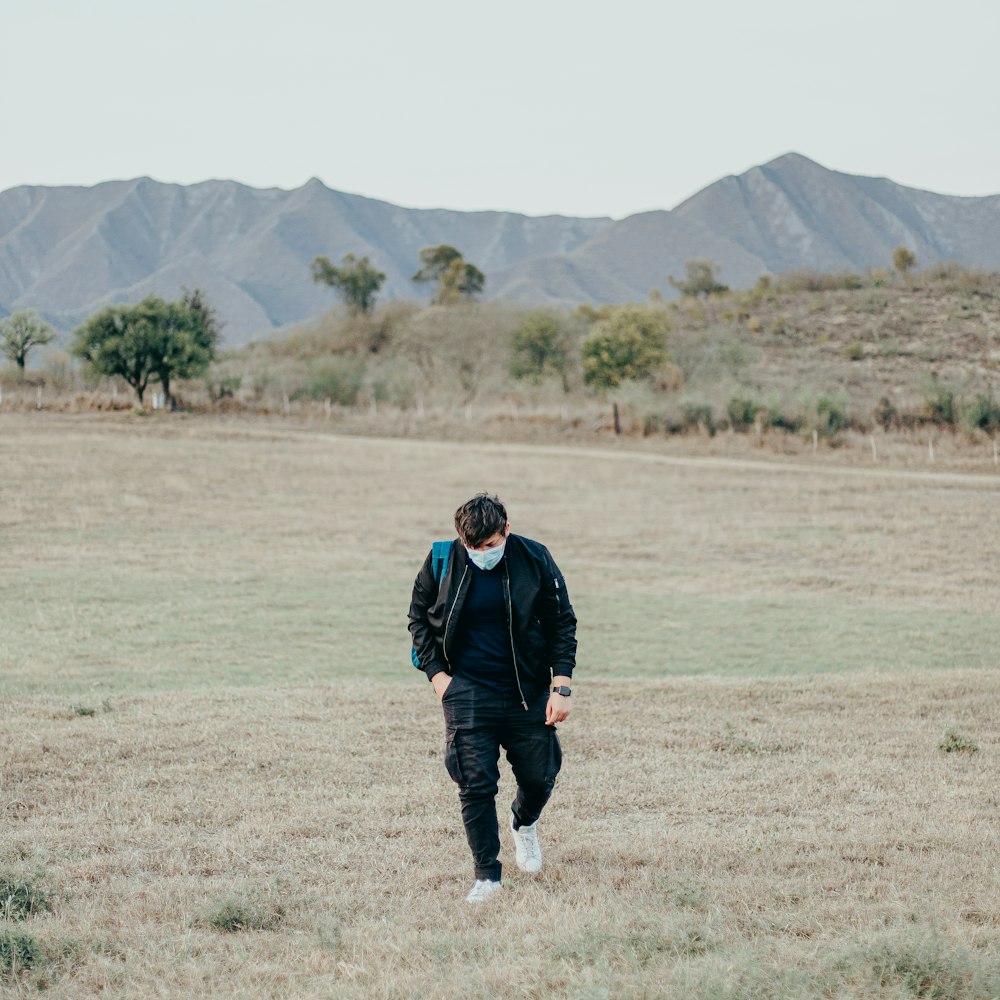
<point>705,833</point>
<point>223,777</point>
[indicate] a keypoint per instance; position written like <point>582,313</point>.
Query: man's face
<point>492,542</point>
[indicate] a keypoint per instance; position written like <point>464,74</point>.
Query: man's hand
<point>558,708</point>
<point>441,680</point>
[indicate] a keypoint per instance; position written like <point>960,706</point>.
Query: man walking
<point>496,635</point>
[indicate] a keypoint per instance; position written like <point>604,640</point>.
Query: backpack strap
<point>440,553</point>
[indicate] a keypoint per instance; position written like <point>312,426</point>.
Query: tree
<point>701,279</point>
<point>188,336</point>
<point>455,277</point>
<point>632,344</point>
<point>357,281</point>
<point>540,348</point>
<point>154,339</point>
<point>21,332</point>
<point>903,260</point>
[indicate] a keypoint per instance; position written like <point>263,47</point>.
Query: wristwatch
<point>563,690</point>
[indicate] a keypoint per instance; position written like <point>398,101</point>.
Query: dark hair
<point>480,519</point>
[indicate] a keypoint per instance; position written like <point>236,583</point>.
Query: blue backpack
<point>440,553</point>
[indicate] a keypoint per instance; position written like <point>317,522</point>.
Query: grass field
<point>223,778</point>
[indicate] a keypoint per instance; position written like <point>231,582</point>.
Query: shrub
<point>630,345</point>
<point>776,417</point>
<point>831,413</point>
<point>854,351</point>
<point>940,405</point>
<point>337,379</point>
<point>742,410</point>
<point>700,279</point>
<point>904,260</point>
<point>239,914</point>
<point>885,414</point>
<point>694,416</point>
<point>984,413</point>
<point>539,347</point>
<point>955,742</point>
<point>804,280</point>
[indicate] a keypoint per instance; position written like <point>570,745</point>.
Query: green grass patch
<point>240,913</point>
<point>19,953</point>
<point>133,634</point>
<point>954,742</point>
<point>643,635</point>
<point>20,899</point>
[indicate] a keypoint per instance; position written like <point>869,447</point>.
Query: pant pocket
<point>555,757</point>
<point>451,762</point>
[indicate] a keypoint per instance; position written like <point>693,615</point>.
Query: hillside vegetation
<point>798,354</point>
<point>802,352</point>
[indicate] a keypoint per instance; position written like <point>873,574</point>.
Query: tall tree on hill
<point>455,277</point>
<point>903,260</point>
<point>20,332</point>
<point>701,279</point>
<point>155,339</point>
<point>357,281</point>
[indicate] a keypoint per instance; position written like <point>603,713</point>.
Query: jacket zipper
<point>447,624</point>
<point>510,630</point>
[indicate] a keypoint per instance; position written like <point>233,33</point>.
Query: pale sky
<point>534,106</point>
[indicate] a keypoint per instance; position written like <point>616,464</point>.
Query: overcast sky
<point>535,106</point>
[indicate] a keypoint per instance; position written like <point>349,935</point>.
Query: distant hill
<point>67,251</point>
<point>790,213</point>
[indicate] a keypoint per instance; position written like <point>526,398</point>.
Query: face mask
<point>487,558</point>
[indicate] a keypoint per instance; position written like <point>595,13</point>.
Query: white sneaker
<point>482,890</point>
<point>527,850</point>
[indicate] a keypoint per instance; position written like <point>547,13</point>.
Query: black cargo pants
<point>478,722</point>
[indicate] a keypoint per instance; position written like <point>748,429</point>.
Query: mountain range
<point>67,251</point>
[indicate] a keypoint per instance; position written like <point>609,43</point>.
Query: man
<point>496,636</point>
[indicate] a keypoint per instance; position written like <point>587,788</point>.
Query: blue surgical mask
<point>487,558</point>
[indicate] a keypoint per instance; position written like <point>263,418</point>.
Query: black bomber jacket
<point>540,616</point>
